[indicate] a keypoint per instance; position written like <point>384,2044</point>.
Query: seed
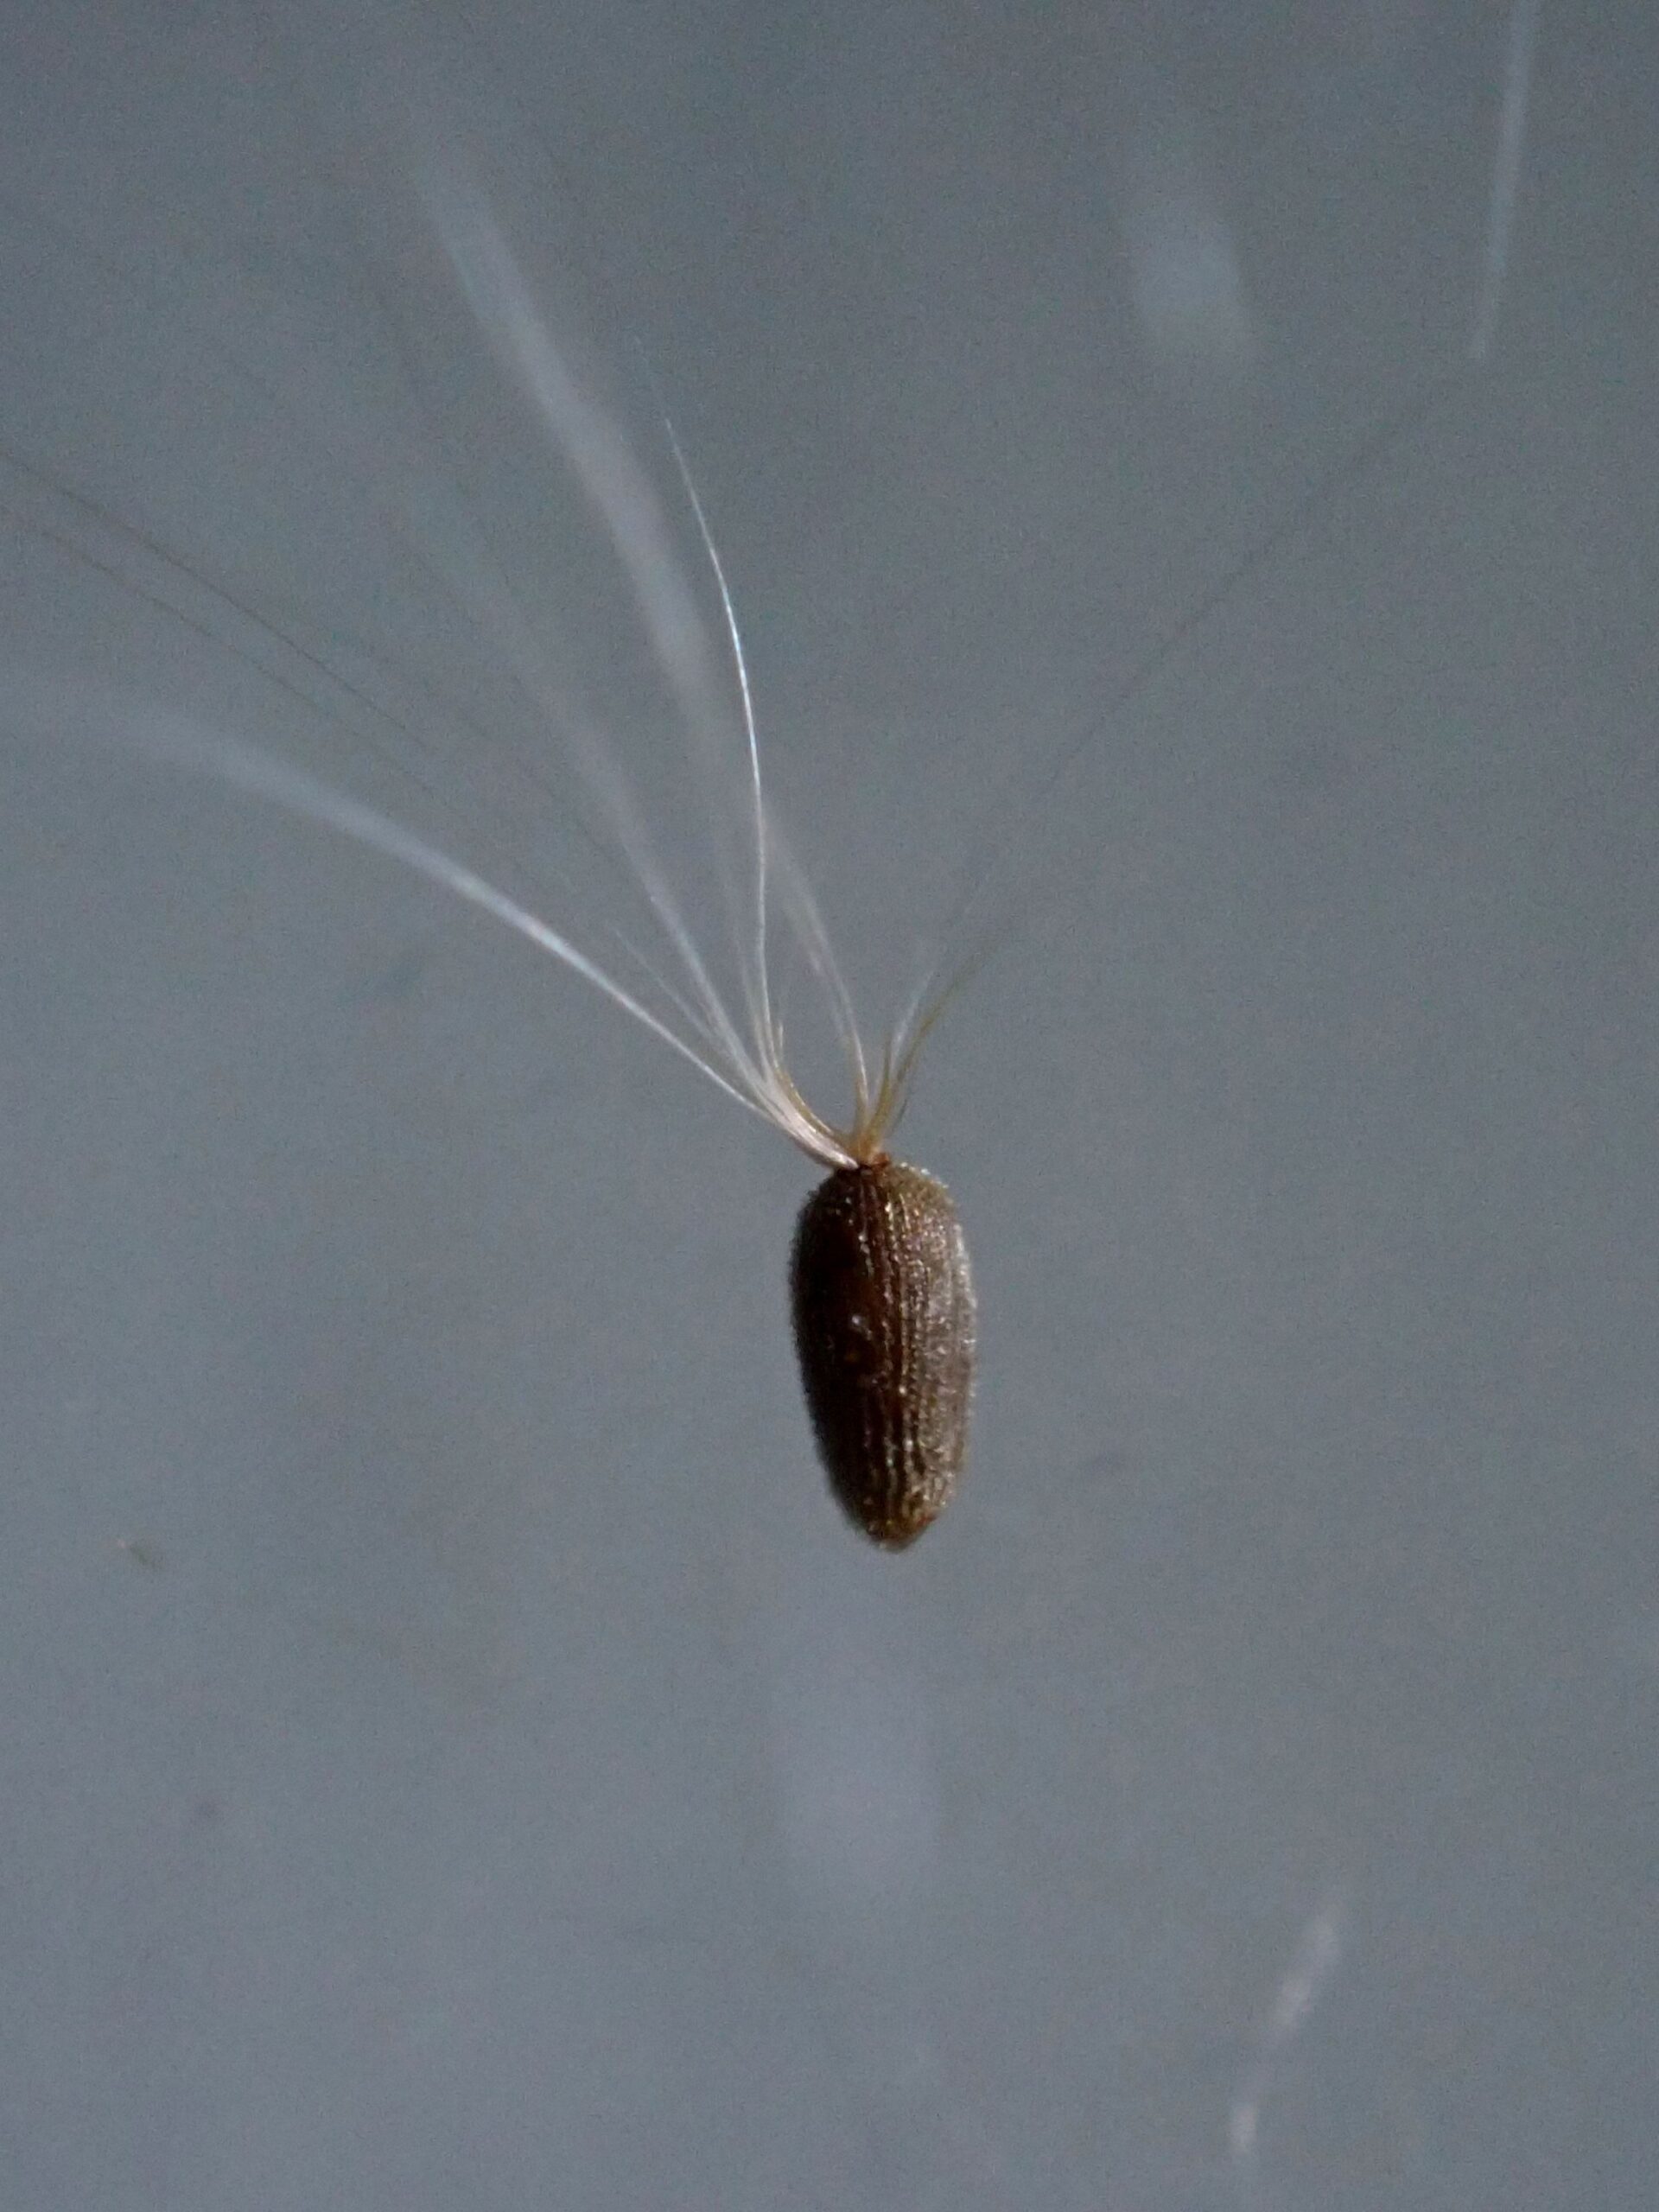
<point>885,1331</point>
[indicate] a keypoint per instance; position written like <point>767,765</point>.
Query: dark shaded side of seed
<point>885,1328</point>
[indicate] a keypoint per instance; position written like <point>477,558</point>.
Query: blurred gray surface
<point>454,1755</point>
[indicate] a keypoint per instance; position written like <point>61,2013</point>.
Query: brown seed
<point>884,1325</point>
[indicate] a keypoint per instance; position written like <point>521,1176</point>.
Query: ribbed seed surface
<point>884,1325</point>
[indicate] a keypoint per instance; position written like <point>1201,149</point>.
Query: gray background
<point>454,1755</point>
